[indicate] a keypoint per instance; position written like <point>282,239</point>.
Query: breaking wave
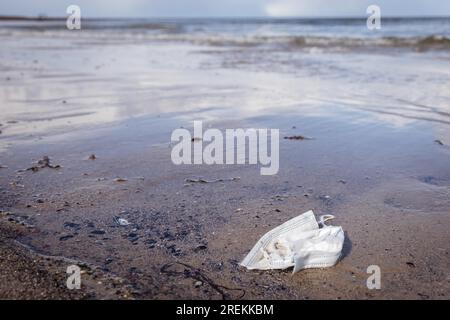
<point>227,35</point>
<point>419,43</point>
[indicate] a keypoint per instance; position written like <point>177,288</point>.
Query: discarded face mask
<point>301,242</point>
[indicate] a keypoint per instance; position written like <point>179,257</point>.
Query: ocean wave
<point>288,41</point>
<point>162,32</point>
<point>433,42</point>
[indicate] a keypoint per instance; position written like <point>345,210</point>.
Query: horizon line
<point>45,17</point>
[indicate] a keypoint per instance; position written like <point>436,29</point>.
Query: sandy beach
<point>378,159</point>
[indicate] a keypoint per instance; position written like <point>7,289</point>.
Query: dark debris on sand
<point>297,137</point>
<point>43,163</point>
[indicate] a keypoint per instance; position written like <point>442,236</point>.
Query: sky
<point>225,8</point>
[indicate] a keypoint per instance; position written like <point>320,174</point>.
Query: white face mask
<point>298,243</point>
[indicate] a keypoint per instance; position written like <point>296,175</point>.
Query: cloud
<point>349,8</point>
<point>224,8</point>
<point>311,8</point>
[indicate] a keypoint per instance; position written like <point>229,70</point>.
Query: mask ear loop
<point>324,218</point>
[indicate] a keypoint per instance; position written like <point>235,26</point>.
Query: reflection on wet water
<point>62,88</point>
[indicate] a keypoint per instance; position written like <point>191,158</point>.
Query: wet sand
<point>373,162</point>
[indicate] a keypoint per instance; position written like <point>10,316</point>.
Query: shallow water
<point>52,76</point>
<point>374,114</point>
